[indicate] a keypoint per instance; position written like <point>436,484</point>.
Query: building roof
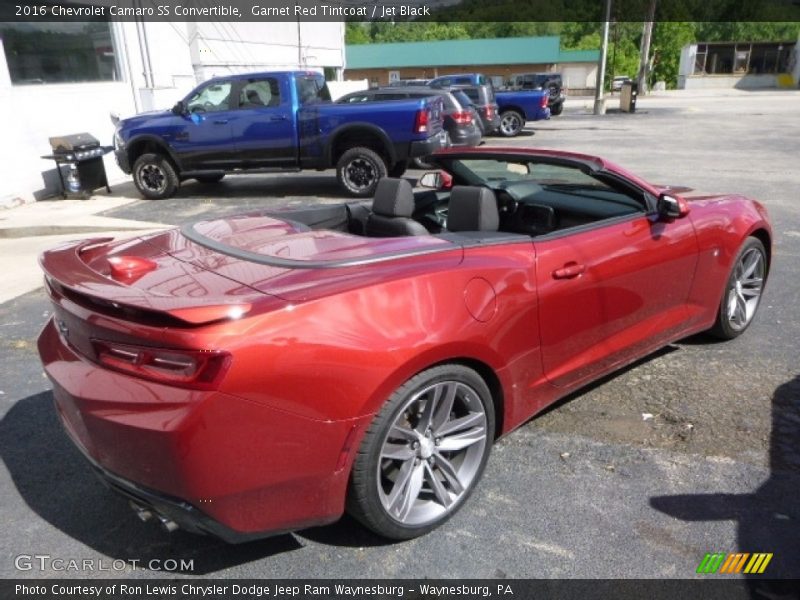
<point>497,51</point>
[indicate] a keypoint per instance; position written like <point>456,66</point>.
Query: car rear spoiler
<point>83,284</point>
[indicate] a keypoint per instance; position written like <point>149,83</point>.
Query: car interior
<point>503,199</point>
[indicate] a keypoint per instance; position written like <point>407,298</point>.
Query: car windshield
<point>541,176</point>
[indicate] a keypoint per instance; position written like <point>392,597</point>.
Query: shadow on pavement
<point>57,483</point>
<point>769,518</point>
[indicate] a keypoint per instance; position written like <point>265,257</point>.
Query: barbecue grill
<point>79,162</point>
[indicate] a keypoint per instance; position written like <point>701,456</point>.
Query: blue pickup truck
<point>277,121</point>
<point>517,107</point>
<point>513,107</point>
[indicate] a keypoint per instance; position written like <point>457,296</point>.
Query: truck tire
<point>511,123</point>
<point>557,109</point>
<point>358,170</point>
<point>154,176</point>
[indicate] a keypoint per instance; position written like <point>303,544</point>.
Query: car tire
<point>440,455</point>
<point>155,177</point>
<point>399,169</point>
<point>210,178</point>
<point>557,109</point>
<point>743,289</point>
<point>511,123</point>
<point>359,170</point>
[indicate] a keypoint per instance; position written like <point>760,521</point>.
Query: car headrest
<point>393,198</point>
<point>472,209</point>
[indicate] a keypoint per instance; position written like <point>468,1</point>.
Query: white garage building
<point>62,78</point>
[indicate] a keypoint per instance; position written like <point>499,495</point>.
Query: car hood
<point>144,117</point>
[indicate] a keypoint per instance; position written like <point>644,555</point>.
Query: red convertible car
<point>263,373</point>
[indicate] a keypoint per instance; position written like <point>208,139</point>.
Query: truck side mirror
<point>180,108</point>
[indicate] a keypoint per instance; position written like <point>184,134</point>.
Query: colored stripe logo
<point>737,562</point>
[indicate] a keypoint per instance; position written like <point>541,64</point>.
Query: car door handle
<point>279,118</point>
<point>221,122</point>
<point>569,271</point>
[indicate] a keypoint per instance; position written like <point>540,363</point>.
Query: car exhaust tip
<point>168,524</point>
<point>143,513</point>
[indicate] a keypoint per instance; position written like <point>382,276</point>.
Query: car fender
<point>149,138</point>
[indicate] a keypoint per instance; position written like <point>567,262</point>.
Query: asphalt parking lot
<point>692,450</point>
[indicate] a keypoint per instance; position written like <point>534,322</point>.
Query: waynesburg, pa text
<point>268,590</point>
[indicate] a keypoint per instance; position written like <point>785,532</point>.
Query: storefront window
<point>59,52</point>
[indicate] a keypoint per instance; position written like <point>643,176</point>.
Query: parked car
<point>548,82</point>
<point>618,82</point>
<point>460,117</point>
<point>261,120</point>
<point>517,107</point>
<point>460,79</point>
<point>482,98</point>
<point>258,374</point>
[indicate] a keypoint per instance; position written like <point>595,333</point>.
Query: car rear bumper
<point>430,145</point>
<point>469,137</point>
<point>212,462</point>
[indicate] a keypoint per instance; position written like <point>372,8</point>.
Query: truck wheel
<point>359,170</point>
<point>557,109</point>
<point>511,123</point>
<point>155,177</point>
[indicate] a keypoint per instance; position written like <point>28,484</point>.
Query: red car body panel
<point>316,350</point>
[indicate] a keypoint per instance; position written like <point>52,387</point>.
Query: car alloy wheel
<point>743,290</point>
<point>510,123</point>
<point>745,287</point>
<point>424,453</point>
<point>432,453</point>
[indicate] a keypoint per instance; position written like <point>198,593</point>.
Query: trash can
<point>627,96</point>
<point>79,162</point>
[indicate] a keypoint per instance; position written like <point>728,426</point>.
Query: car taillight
<point>462,117</point>
<point>195,369</point>
<point>543,103</point>
<point>490,111</point>
<point>421,121</point>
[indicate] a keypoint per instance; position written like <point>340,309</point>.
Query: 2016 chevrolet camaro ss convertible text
<point>263,373</point>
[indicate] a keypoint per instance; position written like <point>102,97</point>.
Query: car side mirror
<point>672,207</point>
<point>180,108</point>
<point>436,180</point>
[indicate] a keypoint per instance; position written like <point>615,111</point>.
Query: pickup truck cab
<point>277,121</point>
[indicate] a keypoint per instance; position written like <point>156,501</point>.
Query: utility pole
<point>599,101</point>
<point>647,35</point>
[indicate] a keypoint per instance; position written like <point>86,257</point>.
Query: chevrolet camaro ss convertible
<point>266,372</point>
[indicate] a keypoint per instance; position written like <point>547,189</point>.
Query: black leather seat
<point>472,209</point>
<point>392,208</point>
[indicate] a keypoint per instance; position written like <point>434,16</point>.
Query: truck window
<point>214,97</point>
<point>312,89</point>
<point>260,92</point>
